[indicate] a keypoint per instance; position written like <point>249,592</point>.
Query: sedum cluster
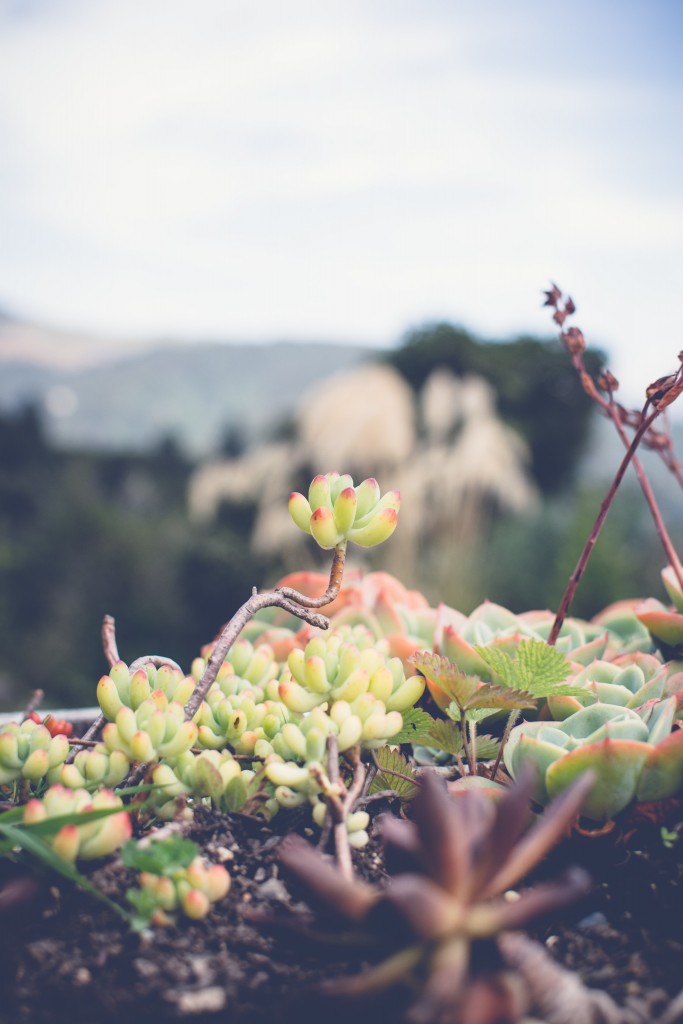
<point>88,841</point>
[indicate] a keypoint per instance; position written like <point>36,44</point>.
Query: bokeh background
<point>241,243</point>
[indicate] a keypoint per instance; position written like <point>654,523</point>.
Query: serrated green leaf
<point>498,698</point>
<point>536,667</point>
<point>487,747</point>
<point>394,772</point>
<point>447,676</point>
<point>446,736</point>
<point>416,726</point>
<point>160,856</point>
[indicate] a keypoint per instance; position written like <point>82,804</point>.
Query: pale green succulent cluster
<point>87,841</point>
<point>156,729</point>
<point>211,773</point>
<point>629,681</point>
<point>94,767</point>
<point>192,889</point>
<point>121,688</point>
<point>336,511</point>
<point>28,751</point>
<point>328,669</point>
<point>279,714</point>
<point>634,753</point>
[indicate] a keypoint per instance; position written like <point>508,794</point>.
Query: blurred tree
<point>84,534</point>
<point>537,389</point>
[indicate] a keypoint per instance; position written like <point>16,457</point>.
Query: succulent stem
<point>334,586</point>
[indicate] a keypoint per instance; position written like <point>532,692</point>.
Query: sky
<point>324,170</point>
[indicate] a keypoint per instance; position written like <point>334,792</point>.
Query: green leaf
<point>416,727</point>
<point>50,826</point>
<point>446,736</point>
<point>38,848</point>
<point>535,667</point>
<point>447,676</point>
<point>394,773</point>
<point>160,856</point>
<point>487,747</point>
<point>145,903</point>
<point>235,795</point>
<point>498,698</point>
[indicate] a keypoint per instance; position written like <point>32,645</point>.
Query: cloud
<point>340,169</point>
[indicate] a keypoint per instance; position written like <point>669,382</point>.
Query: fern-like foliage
<point>469,693</point>
<point>536,668</point>
<point>417,725</point>
<point>394,772</point>
<point>447,736</point>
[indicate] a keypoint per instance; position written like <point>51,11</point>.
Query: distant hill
<point>193,393</point>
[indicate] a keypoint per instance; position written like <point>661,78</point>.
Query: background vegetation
<point>84,532</point>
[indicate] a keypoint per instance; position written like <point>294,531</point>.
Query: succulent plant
<point>634,755</point>
<point>173,877</point>
<point>157,729</point>
<point>665,625</point>
<point>628,681</point>
<point>329,670</point>
<point>29,751</point>
<point>212,773</point>
<point>97,766</point>
<point>121,688</point>
<point>451,868</point>
<point>92,839</point>
<point>336,512</point>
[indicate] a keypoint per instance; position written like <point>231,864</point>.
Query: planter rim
<point>77,716</point>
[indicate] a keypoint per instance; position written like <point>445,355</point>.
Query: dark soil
<point>67,957</point>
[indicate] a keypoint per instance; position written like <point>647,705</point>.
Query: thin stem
<point>473,746</point>
<point>33,704</point>
<point>232,630</point>
<point>576,576</point>
<point>111,651</point>
<point>648,494</point>
<point>333,588</point>
<point>660,442</point>
<point>512,718</point>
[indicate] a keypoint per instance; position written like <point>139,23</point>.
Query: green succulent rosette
<point>634,755</point>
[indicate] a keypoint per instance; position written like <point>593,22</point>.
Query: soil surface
<point>66,956</point>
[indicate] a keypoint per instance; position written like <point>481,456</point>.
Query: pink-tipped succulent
<point>336,511</point>
<point>665,625</point>
<point>87,841</point>
<point>455,863</point>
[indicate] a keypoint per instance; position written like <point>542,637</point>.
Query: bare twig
<point>576,576</point>
<point>157,660</point>
<point>111,651</point>
<point>334,586</point>
<point>658,440</point>
<point>232,630</point>
<point>340,800</point>
<point>558,995</point>
<point>290,600</point>
<point>33,704</point>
